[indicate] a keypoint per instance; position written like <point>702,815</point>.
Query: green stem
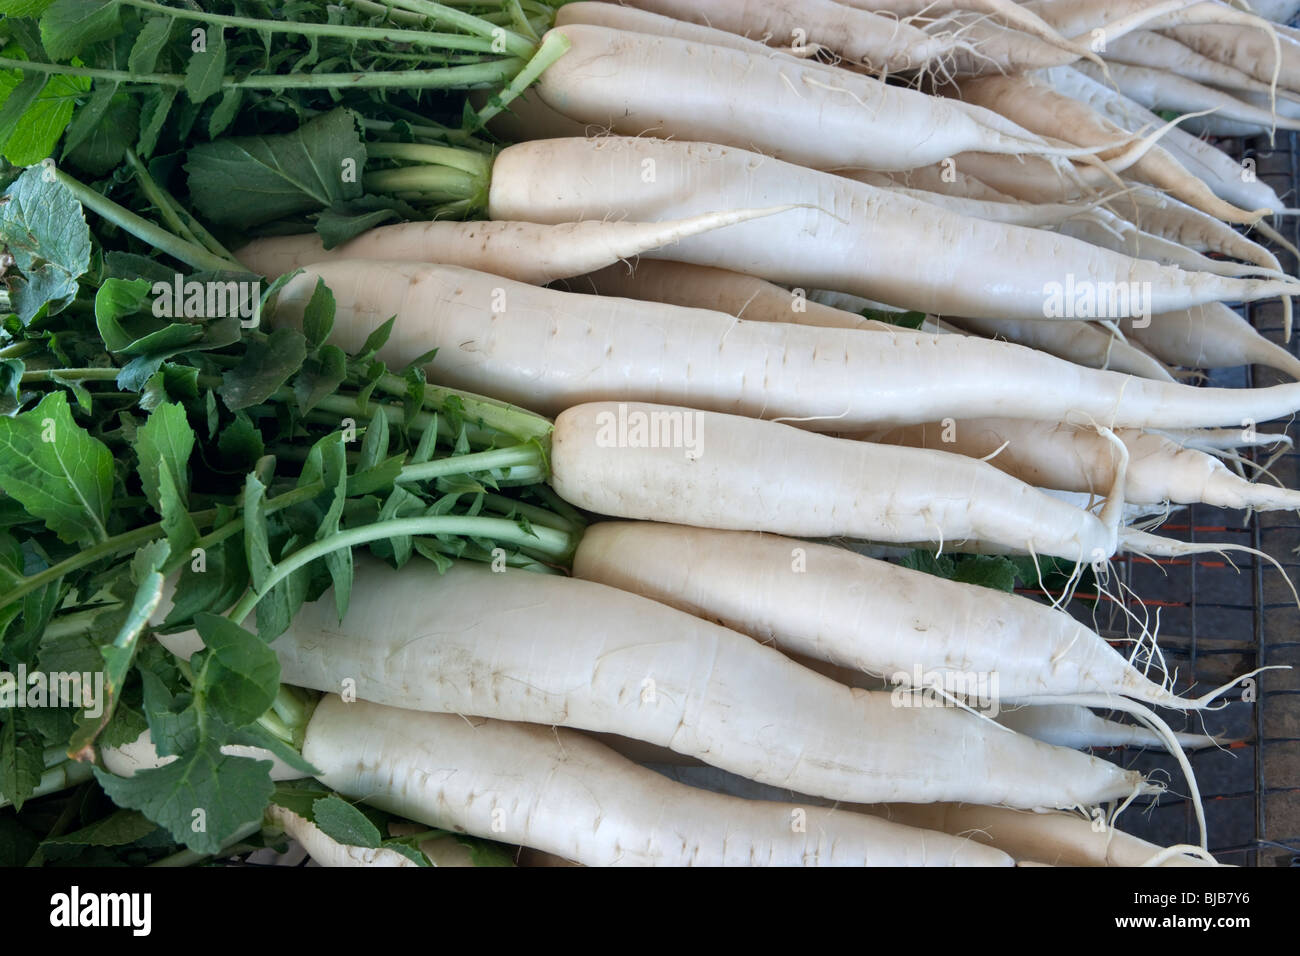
<point>535,515</point>
<point>553,47</point>
<point>470,76</point>
<point>432,183</point>
<point>489,412</point>
<point>518,456</point>
<point>115,76</point>
<point>445,41</point>
<point>146,231</point>
<point>19,349</point>
<point>544,540</point>
<point>489,74</point>
<point>476,164</point>
<point>513,43</point>
<point>160,201</point>
<point>72,374</point>
<point>181,222</point>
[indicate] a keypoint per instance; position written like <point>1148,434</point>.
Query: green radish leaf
<point>115,300</point>
<point>54,724</point>
<point>347,220</point>
<point>277,609</point>
<point>240,674</point>
<point>107,138</point>
<point>21,94</point>
<point>344,823</point>
<point>176,521</point>
<point>89,116</point>
<point>43,229</point>
<point>56,471</point>
<point>173,721</point>
<point>225,112</point>
<point>207,67</point>
<point>246,181</point>
<point>23,8</point>
<point>265,367</point>
<point>327,462</point>
<point>257,544</point>
<point>240,444</point>
<point>926,561</point>
<point>44,121</point>
<point>158,104</point>
<point>69,26</point>
<point>126,726</point>
<point>11,561</point>
<point>318,317</point>
<point>989,571</point>
<point>80,393</point>
<point>22,759</point>
<point>165,442</point>
<point>376,340</point>
<point>117,829</point>
<point>486,852</point>
<point>202,799</point>
<point>428,443</point>
<point>119,656</point>
<point>11,384</point>
<point>321,375</point>
<point>374,446</point>
<point>212,581</point>
<point>149,42</point>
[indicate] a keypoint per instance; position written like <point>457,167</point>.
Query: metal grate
<point>1219,619</point>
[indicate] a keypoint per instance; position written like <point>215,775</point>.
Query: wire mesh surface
<point>1219,619</point>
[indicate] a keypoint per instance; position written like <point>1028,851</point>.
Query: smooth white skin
<point>543,649</point>
<point>1050,837</point>
<point>1073,458</point>
<point>564,793</point>
<point>1160,90</point>
<point>855,612</point>
<point>1159,52</point>
<point>752,475</point>
<point>1075,726</point>
<point>1211,336</point>
<point>719,290</point>
<point>1041,109</point>
<point>877,42</point>
<point>1279,11</point>
<point>548,350</point>
<point>1083,343</point>
<point>1245,49</point>
<point>1079,18</point>
<point>852,237</point>
<point>1206,162</point>
<point>804,113</point>
<point>1031,180</point>
<point>524,251</point>
<point>1111,232</point>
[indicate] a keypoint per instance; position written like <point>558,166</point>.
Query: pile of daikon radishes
<point>714,214</point>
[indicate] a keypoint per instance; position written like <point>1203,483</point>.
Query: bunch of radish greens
<point>533,454</point>
<point>139,448</point>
